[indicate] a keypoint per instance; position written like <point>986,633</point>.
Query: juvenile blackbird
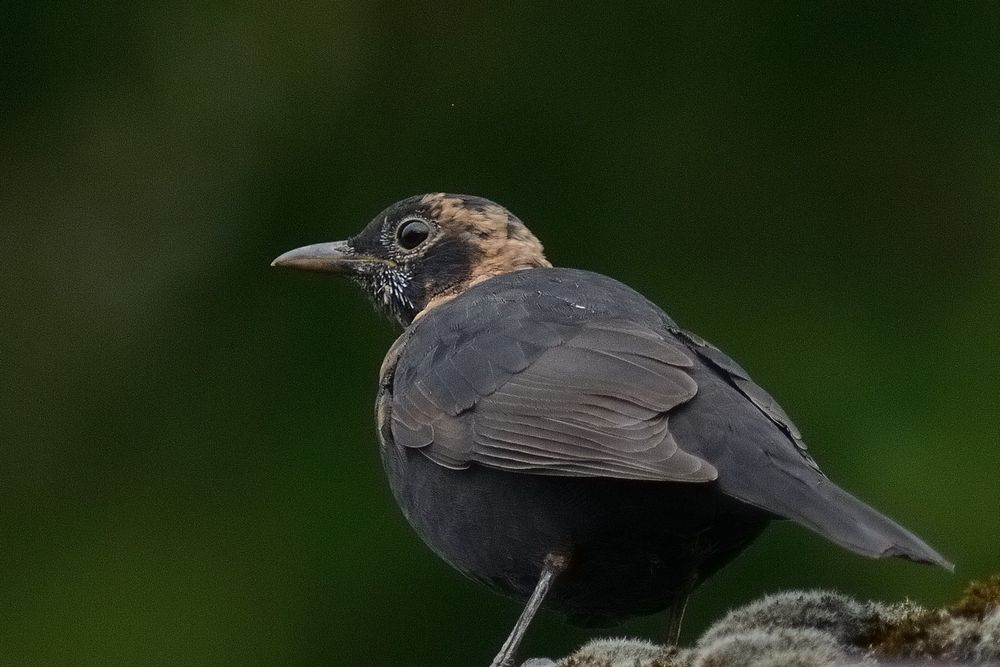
<point>556,436</point>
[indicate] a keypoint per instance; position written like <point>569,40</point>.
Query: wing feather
<point>583,398</point>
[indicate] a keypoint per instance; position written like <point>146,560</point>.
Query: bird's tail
<point>842,518</point>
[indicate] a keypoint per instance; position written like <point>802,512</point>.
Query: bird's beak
<point>336,257</point>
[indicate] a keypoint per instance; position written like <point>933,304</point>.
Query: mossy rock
<point>818,628</point>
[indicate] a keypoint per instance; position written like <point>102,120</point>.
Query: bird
<point>555,435</point>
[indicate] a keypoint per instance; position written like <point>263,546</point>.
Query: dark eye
<point>412,233</point>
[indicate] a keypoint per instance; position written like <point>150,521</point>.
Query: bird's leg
<point>553,565</point>
<point>675,616</point>
<point>675,613</point>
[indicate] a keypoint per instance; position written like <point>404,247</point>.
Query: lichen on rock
<point>820,628</point>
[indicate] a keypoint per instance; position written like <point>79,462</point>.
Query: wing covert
<point>583,397</point>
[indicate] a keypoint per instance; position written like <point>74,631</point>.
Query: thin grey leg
<point>554,564</point>
<point>675,613</point>
<point>675,616</point>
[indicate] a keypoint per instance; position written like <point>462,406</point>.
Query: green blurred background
<point>189,472</point>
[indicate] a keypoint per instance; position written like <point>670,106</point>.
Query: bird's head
<point>424,250</point>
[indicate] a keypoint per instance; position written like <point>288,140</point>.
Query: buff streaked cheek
<point>502,242</point>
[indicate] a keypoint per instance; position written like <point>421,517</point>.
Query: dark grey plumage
<point>528,411</point>
<point>560,372</point>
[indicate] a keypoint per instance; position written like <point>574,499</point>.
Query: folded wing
<point>587,398</point>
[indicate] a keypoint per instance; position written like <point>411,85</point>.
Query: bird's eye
<point>412,233</point>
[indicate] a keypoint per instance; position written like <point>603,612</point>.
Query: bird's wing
<point>564,396</point>
<point>734,374</point>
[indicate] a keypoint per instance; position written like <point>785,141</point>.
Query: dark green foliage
<point>188,468</point>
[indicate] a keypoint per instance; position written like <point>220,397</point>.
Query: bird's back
<point>459,357</point>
